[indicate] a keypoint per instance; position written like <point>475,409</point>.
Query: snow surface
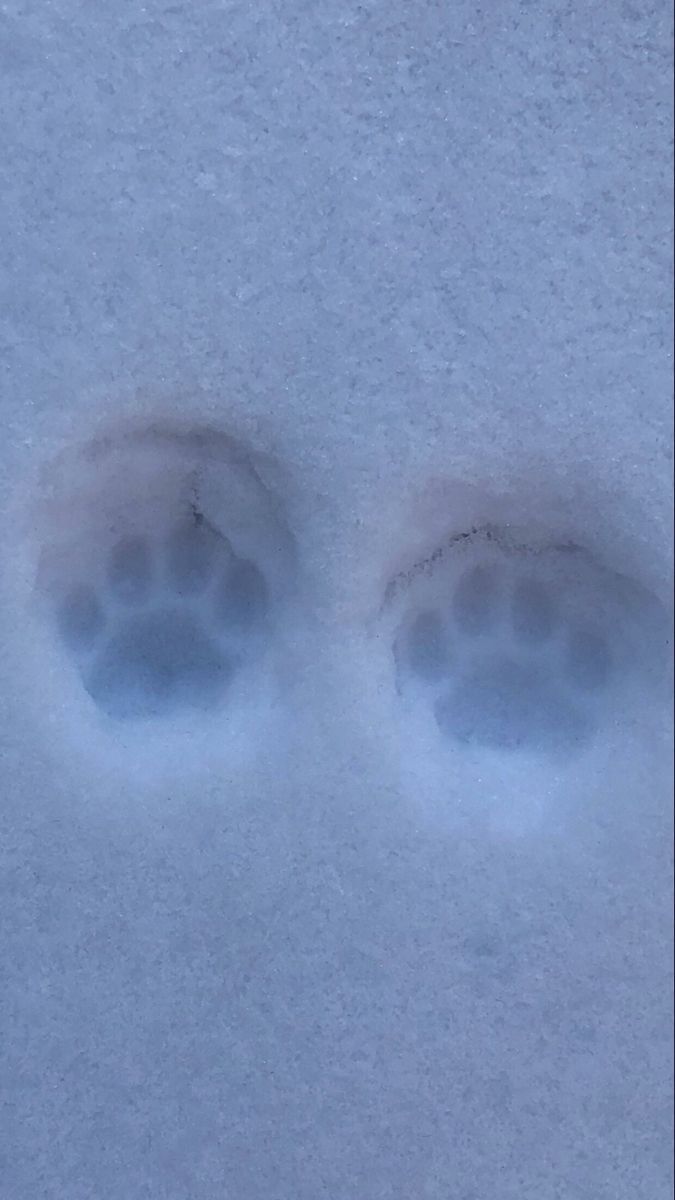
<point>335,818</point>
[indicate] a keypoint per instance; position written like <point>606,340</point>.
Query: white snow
<point>335,601</point>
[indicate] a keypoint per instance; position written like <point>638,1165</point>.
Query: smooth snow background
<point>401,252</point>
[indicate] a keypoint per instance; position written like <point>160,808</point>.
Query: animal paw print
<point>505,665</point>
<point>167,626</point>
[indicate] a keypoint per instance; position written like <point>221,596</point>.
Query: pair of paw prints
<point>167,625</point>
<point>166,564</point>
<point>504,665</point>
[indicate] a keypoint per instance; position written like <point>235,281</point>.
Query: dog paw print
<point>166,625</point>
<point>160,566</point>
<point>505,665</point>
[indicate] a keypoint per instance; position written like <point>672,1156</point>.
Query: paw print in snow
<point>504,666</point>
<point>167,626</point>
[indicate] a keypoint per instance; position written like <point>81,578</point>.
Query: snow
<point>335,594</point>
